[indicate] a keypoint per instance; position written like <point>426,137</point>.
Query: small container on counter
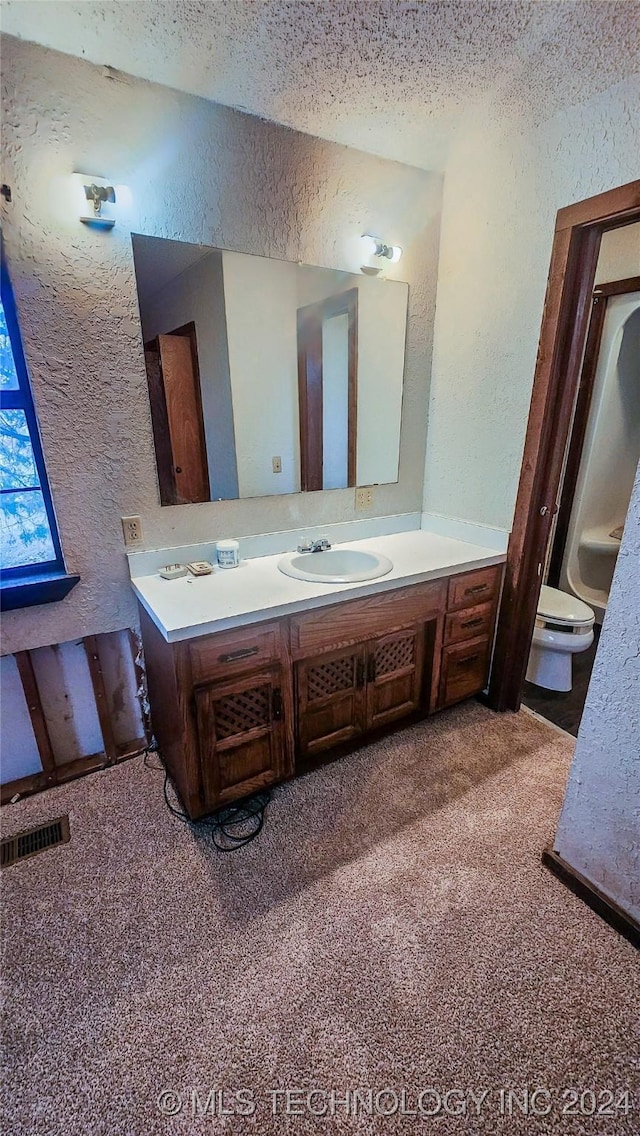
<point>228,553</point>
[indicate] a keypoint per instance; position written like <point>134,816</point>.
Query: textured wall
<point>199,173</point>
<point>504,182</point>
<point>599,828</point>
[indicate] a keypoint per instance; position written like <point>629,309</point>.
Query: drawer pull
<point>473,622</point>
<point>468,660</point>
<point>233,656</point>
<point>477,588</point>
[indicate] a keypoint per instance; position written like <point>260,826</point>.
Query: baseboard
<point>606,908</point>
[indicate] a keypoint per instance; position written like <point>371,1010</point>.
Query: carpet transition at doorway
<point>392,928</point>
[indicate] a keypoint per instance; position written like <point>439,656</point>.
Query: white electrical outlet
<point>276,464</point>
<point>364,497</point>
<point>132,529</point>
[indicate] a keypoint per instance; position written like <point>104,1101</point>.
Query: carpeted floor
<point>391,929</point>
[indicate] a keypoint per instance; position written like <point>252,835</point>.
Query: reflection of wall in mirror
<point>382,317</point>
<point>260,300</point>
<point>197,294</point>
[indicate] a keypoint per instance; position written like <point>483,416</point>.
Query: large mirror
<point>268,377</point>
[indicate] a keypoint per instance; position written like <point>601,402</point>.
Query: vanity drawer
<point>357,620</point>
<point>469,623</point>
<point>474,587</point>
<point>465,669</point>
<point>234,652</point>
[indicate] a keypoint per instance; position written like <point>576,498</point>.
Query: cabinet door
<point>330,699</point>
<point>394,676</point>
<point>241,736</point>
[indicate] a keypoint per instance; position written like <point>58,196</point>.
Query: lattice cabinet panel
<point>242,711</point>
<point>330,677</point>
<point>395,654</point>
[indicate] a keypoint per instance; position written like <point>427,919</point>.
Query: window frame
<point>44,582</point>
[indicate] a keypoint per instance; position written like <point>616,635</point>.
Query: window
<point>31,557</point>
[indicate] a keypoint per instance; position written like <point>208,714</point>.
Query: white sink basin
<point>335,566</point>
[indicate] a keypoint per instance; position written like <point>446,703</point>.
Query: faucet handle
<point>305,545</point>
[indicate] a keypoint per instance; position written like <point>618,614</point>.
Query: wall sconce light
<point>98,193</point>
<point>377,247</point>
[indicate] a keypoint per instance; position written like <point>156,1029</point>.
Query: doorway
<point>578,232</point>
<point>173,376</point>
<point>600,464</point>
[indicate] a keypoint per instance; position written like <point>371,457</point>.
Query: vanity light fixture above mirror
<point>97,192</point>
<point>377,247</point>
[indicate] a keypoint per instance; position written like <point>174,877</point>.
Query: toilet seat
<point>563,609</point>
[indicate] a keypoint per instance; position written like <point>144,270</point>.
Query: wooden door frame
<point>602,293</point>
<point>574,256</point>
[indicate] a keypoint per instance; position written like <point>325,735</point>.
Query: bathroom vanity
<point>315,670</point>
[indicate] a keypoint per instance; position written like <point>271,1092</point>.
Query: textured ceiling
<point>393,78</point>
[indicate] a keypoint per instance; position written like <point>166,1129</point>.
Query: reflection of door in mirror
<point>328,390</point>
<point>176,414</point>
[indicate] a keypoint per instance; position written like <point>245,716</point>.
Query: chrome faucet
<point>320,545</point>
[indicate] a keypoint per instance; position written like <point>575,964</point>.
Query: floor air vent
<point>34,840</point>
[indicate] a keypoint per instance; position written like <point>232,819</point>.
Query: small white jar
<point>228,553</point>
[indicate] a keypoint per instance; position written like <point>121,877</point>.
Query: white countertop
<point>255,591</point>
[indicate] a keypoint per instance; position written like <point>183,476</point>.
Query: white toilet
<point>564,626</point>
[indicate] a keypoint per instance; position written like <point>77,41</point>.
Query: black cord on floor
<point>231,827</point>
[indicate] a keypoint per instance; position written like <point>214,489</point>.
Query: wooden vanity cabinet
<point>232,712</point>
